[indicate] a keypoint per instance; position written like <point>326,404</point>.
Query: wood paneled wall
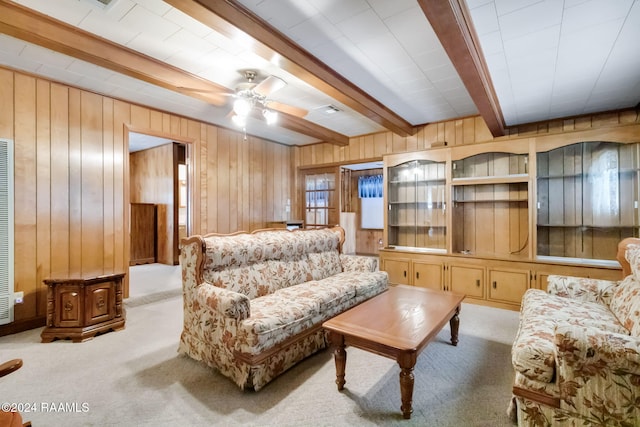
<point>72,184</point>
<point>470,130</point>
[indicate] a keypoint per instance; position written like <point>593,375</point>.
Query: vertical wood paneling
<point>60,182</point>
<point>108,190</point>
<point>121,116</point>
<point>43,190</point>
<point>92,187</point>
<point>75,184</point>
<point>6,104</point>
<point>25,206</point>
<point>223,225</point>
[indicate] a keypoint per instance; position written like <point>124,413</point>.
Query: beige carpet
<point>135,378</point>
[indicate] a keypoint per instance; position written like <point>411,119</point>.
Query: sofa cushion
<point>625,304</point>
<point>533,349</point>
<point>274,318</point>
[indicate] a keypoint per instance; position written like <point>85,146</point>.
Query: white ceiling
<point>546,58</point>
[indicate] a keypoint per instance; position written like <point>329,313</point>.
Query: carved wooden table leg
<point>454,323</point>
<point>407,361</point>
<point>340,356</point>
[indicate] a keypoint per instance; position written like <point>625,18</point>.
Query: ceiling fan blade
<point>269,85</point>
<point>288,109</point>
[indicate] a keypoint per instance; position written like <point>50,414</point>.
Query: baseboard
<point>22,325</point>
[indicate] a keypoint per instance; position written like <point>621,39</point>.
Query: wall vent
<point>103,4</point>
<point>6,231</point>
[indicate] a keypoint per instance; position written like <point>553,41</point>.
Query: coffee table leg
<point>407,362</point>
<point>454,323</point>
<point>340,356</point>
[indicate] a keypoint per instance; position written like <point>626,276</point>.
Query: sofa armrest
<point>582,288</point>
<point>358,263</point>
<point>598,372</point>
<point>227,303</point>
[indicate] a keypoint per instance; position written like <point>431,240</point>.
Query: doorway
<point>159,197</point>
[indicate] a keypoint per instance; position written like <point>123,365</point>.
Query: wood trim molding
<point>232,19</point>
<point>452,24</point>
<point>537,396</point>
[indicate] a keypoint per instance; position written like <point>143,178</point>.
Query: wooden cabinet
<point>428,274</point>
<point>493,220</point>
<point>398,270</point>
<point>416,201</point>
<point>587,199</point>
<point>467,280</point>
<point>508,285</point>
<point>143,233</point>
<point>80,308</point>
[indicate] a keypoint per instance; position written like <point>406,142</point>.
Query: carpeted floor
<point>135,378</point>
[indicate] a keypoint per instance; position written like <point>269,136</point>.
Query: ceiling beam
<point>232,19</point>
<point>33,27</point>
<point>452,24</point>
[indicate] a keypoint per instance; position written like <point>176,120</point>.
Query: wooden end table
<point>398,324</point>
<point>79,308</point>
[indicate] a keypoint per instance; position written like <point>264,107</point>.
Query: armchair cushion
<point>625,304</point>
<point>533,350</point>
<point>599,373</point>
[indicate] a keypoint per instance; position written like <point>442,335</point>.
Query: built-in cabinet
<point>493,220</point>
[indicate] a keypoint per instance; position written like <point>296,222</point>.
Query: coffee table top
<point>404,317</point>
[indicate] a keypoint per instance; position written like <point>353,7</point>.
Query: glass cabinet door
<point>416,205</point>
<point>587,196</point>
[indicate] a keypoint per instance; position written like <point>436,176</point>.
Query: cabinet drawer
<point>508,285</point>
<point>467,280</point>
<point>398,271</point>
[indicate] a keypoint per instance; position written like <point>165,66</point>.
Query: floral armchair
<point>577,352</point>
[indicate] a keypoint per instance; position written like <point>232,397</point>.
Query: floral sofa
<point>577,351</point>
<point>254,303</point>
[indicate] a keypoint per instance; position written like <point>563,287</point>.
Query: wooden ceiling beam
<point>452,24</point>
<point>33,27</point>
<point>232,19</point>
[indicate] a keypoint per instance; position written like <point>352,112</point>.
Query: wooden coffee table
<point>398,324</point>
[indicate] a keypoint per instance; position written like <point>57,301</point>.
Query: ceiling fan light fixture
<point>270,116</point>
<point>238,120</point>
<point>242,107</point>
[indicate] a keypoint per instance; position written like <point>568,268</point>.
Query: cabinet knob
<point>417,274</point>
<point>494,285</point>
<point>478,282</point>
<point>405,273</point>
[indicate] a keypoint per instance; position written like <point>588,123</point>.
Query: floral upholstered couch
<point>577,352</point>
<point>254,303</point>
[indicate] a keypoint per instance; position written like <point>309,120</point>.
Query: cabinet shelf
<point>586,175</point>
<point>604,227</point>
<point>504,179</point>
<point>419,202</point>
<point>441,181</point>
<point>417,225</point>
<point>492,201</point>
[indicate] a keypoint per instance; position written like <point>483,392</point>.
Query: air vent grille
<point>6,232</point>
<point>102,3</point>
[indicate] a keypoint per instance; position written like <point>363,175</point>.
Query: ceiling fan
<point>252,98</point>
